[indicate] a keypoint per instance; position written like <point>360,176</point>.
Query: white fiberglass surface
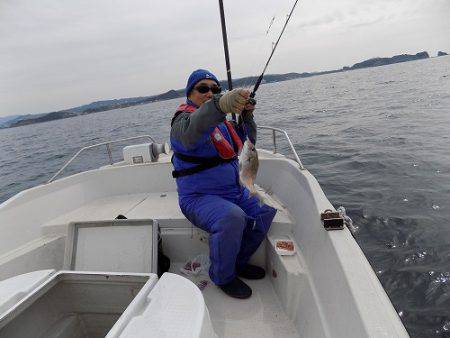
<point>261,315</point>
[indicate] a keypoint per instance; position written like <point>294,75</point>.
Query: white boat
<point>68,268</point>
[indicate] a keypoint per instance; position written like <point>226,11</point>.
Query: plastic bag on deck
<point>193,267</point>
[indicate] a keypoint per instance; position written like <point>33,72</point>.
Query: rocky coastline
<point>99,106</point>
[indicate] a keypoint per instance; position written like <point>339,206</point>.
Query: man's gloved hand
<point>234,101</point>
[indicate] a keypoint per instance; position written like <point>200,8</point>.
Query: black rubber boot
<point>252,272</point>
<point>237,289</point>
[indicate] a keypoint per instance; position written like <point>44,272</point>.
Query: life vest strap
<point>204,163</point>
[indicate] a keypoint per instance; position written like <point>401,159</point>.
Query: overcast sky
<point>57,54</point>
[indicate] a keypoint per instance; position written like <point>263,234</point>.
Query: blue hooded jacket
<point>190,135</point>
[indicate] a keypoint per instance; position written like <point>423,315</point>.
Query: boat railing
<point>108,149</point>
<point>108,144</point>
<point>286,136</point>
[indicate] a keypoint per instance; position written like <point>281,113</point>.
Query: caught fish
<point>248,166</point>
<point>248,169</point>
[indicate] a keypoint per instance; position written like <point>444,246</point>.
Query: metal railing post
<point>274,131</point>
<point>274,135</point>
<point>108,148</point>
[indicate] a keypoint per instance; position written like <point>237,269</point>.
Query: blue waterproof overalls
<point>215,201</point>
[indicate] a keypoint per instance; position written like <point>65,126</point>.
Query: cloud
<point>58,54</point>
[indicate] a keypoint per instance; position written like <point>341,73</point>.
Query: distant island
<point>376,62</point>
<point>99,106</point>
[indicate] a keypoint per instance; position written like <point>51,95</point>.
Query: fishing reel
<point>252,101</point>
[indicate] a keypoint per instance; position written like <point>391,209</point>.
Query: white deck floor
<point>259,316</point>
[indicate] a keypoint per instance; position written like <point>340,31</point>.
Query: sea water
<point>377,140</point>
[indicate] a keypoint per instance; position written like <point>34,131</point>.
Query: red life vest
<point>223,147</point>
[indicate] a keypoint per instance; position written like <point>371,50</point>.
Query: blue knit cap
<point>198,75</point>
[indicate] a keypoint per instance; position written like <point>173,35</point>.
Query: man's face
<point>199,98</point>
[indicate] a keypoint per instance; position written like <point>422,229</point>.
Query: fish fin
<point>264,200</point>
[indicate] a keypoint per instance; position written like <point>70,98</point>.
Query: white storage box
<point>137,153</point>
<point>74,304</point>
<point>144,153</point>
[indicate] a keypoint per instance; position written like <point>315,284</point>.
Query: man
<point>205,149</point>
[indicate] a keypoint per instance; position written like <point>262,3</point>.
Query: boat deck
<point>262,315</point>
<point>259,316</point>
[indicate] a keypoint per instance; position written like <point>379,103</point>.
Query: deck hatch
<point>121,245</point>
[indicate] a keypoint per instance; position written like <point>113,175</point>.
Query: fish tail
<point>254,192</point>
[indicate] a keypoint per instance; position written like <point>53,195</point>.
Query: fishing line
<point>248,83</point>
<point>270,25</point>
<point>258,82</point>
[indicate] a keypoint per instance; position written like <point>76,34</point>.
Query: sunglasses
<point>203,89</point>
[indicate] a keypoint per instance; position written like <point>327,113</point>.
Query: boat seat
<point>102,209</point>
<point>164,207</point>
<point>161,206</point>
<point>187,240</point>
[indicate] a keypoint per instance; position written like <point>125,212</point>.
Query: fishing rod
<point>225,47</point>
<point>258,82</point>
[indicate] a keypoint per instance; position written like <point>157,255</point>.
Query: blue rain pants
<point>237,225</point>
